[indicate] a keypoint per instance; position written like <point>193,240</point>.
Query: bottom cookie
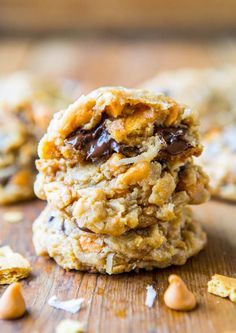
<point>160,245</point>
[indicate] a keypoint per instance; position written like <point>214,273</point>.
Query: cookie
<point>208,91</point>
<point>219,161</point>
<point>120,159</point>
<point>34,99</point>
<point>159,245</point>
<point>13,266</point>
<point>26,107</point>
<point>18,148</point>
<point>223,286</point>
<point>211,92</point>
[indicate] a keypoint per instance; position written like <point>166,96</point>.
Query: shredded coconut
<point>109,263</point>
<point>152,151</point>
<point>150,297</point>
<point>72,305</point>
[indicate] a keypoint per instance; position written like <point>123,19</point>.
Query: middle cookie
<point>120,159</point>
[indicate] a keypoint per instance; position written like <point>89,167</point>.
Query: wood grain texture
<point>116,303</point>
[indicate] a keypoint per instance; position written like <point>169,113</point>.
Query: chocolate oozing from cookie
<point>175,139</point>
<point>97,144</point>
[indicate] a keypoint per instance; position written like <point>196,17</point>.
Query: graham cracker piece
<point>223,286</point>
<point>13,266</point>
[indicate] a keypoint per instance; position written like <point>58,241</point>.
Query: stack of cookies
<point>26,107</point>
<point>117,171</point>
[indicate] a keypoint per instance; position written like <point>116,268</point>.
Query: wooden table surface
<point>116,303</point>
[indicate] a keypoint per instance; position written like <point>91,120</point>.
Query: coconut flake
<point>72,305</point>
<point>154,146</point>
<point>150,297</point>
<point>109,263</point>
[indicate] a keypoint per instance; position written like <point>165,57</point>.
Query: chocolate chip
<point>102,146</point>
<point>51,218</point>
<point>94,145</point>
<point>175,139</point>
<point>177,147</point>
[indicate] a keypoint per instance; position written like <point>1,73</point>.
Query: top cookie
<point>117,120</point>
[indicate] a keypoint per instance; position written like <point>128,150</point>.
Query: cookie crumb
<point>72,305</point>
<point>122,313</point>
<point>13,266</point>
<point>223,286</point>
<point>100,291</point>
<point>13,217</point>
<point>150,297</point>
<point>70,326</point>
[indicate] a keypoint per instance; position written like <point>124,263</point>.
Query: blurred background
<point>123,42</point>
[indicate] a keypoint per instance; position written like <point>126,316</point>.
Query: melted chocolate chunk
<point>174,138</point>
<point>95,144</point>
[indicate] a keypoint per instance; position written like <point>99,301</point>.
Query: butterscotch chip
<point>223,286</point>
<point>70,326</point>
<point>12,303</point>
<point>178,296</point>
<point>13,266</point>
